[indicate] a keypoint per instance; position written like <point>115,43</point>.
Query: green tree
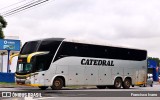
<point>3,24</point>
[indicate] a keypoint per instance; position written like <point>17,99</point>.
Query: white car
<point>150,80</point>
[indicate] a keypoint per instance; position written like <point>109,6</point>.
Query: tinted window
<point>97,51</point>
<point>29,47</point>
<point>49,45</point>
<point>44,61</point>
<point>126,54</point>
<point>67,49</point>
<point>41,63</point>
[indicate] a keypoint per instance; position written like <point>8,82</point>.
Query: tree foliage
<point>3,24</point>
<point>155,59</point>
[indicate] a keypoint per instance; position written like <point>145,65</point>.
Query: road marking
<point>28,98</point>
<point>44,98</point>
<point>31,98</point>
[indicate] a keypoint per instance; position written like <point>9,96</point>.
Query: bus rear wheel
<point>117,83</point>
<point>57,84</point>
<point>126,83</point>
<point>101,87</point>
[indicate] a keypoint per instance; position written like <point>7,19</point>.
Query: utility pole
<point>1,64</point>
<point>8,66</point>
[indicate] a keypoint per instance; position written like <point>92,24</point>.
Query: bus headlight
<point>28,78</point>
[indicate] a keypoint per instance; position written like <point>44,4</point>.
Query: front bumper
<point>23,81</point>
<point>26,82</point>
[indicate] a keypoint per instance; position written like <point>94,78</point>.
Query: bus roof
<point>87,42</point>
<point>97,43</point>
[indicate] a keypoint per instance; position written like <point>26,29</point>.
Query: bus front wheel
<point>57,84</point>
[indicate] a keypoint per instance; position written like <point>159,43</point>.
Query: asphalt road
<point>90,93</point>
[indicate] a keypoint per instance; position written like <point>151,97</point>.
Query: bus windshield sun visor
<point>36,54</point>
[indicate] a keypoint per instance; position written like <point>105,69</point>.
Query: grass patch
<point>6,83</point>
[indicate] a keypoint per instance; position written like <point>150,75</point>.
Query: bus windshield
<point>24,68</point>
<point>29,47</point>
<point>38,62</point>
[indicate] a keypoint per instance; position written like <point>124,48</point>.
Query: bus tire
<point>57,84</point>
<point>126,83</point>
<point>43,87</point>
<point>117,83</point>
<point>101,87</point>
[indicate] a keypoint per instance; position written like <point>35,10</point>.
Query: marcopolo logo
<point>5,42</point>
<point>9,42</point>
<point>97,62</point>
<point>9,45</point>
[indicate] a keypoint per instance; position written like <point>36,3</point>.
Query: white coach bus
<point>59,62</point>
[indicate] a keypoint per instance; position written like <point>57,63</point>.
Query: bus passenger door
<point>32,79</point>
<point>41,78</point>
<point>39,74</point>
<point>37,78</point>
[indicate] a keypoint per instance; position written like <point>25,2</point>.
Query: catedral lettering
<point>97,62</point>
